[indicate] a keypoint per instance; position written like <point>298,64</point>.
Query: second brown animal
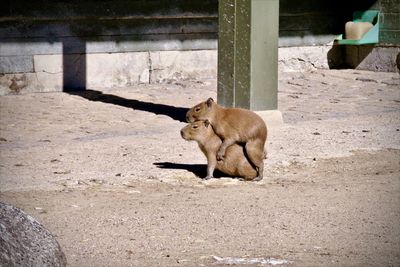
<point>234,164</point>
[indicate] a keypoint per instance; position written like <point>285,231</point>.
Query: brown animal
<point>235,163</point>
<point>234,125</point>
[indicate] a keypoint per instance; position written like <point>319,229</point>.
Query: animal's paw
<point>258,178</point>
<point>208,177</point>
<point>220,155</point>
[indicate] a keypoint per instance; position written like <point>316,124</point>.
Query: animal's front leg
<point>211,163</point>
<point>225,144</point>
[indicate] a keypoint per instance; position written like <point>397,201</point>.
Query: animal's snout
<point>188,117</point>
<point>183,134</point>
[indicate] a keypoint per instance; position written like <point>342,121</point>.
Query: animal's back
<point>244,123</point>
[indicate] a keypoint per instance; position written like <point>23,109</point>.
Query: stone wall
<point>69,45</point>
<point>106,70</point>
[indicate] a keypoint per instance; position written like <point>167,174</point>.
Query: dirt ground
<point>107,172</point>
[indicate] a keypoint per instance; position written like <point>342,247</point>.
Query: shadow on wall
<point>176,113</point>
<point>74,65</point>
<point>355,54</point>
<point>75,81</point>
<point>347,56</point>
<point>364,57</point>
<point>336,57</point>
<point>398,62</point>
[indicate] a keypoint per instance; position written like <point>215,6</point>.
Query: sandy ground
<point>108,173</point>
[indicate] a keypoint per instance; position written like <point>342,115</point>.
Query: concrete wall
<point>67,45</point>
<point>105,70</point>
<point>58,45</point>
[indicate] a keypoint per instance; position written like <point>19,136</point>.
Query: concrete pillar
<point>248,54</point>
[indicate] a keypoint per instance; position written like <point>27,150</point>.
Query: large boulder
<point>25,242</point>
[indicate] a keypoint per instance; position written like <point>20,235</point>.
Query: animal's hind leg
<point>255,153</point>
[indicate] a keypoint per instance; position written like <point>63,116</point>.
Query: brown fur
<point>235,163</point>
<point>234,125</point>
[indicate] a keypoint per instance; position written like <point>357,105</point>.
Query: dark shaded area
<point>336,57</point>
<point>200,170</point>
<point>160,19</point>
<point>398,62</point>
<point>108,20</point>
<point>296,18</point>
<point>176,113</point>
<point>355,54</point>
<point>347,56</point>
<point>87,9</point>
<point>74,66</point>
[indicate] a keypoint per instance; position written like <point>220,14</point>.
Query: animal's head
<point>202,111</point>
<point>197,130</point>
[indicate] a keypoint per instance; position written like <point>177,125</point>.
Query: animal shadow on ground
<point>200,170</point>
<point>176,113</point>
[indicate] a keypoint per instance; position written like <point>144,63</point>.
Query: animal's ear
<point>206,123</point>
<point>209,102</point>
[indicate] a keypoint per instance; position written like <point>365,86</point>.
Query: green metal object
<point>248,54</point>
<point>372,36</point>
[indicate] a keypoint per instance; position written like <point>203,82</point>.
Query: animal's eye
<point>195,127</point>
<point>197,109</point>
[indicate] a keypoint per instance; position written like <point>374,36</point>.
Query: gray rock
<point>25,242</point>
